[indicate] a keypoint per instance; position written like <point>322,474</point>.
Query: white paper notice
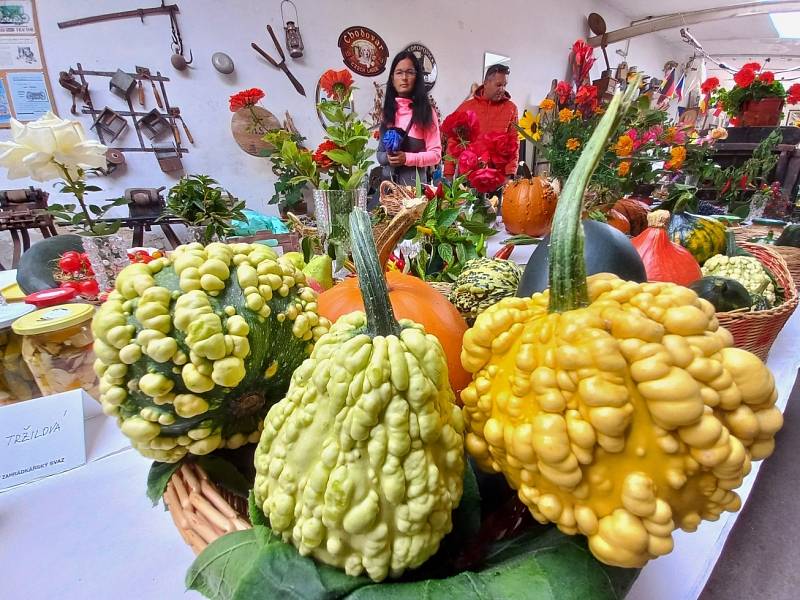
<point>16,16</point>
<point>19,53</point>
<point>42,437</point>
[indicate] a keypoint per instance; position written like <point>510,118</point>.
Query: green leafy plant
<point>287,164</point>
<point>751,84</point>
<point>736,184</point>
<point>200,201</point>
<point>82,217</point>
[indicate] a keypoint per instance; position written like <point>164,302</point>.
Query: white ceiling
<point>732,41</point>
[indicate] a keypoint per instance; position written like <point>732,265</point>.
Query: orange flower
<point>336,84</point>
<point>599,110</point>
<point>677,156</point>
<point>624,168</point>
<point>624,146</point>
<point>547,104</point>
<point>573,144</point>
<point>565,115</point>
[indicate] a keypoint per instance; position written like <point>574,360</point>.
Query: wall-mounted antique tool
<point>222,63</point>
<point>175,113</point>
<point>294,41</point>
<point>122,83</point>
<point>110,123</point>
<point>154,124</point>
<point>145,73</point>
<point>68,81</point>
<point>178,58</point>
<point>279,65</point>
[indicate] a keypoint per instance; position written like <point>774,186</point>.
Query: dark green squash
<point>724,293</point>
<point>606,250</point>
<point>790,236</point>
<point>702,236</point>
<point>37,263</point>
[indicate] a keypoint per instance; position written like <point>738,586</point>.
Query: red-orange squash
<point>636,213</point>
<point>528,206</point>
<point>412,299</point>
<point>619,221</point>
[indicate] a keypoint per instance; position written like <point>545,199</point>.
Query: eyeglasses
<point>410,73</point>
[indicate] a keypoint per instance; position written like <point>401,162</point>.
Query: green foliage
<point>735,184</point>
<point>733,100</point>
<point>83,217</point>
<point>287,164</point>
<point>198,200</point>
<point>158,477</point>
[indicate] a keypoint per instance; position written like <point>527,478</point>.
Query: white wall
<point>536,34</point>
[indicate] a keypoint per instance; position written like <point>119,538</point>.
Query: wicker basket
<point>201,511</point>
<point>756,331</point>
<point>789,253</point>
<point>395,197</point>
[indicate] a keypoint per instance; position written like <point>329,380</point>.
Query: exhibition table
<point>92,533</point>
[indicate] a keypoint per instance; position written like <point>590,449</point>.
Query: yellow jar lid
<point>53,318</point>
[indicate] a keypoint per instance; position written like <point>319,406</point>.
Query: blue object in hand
<point>392,139</point>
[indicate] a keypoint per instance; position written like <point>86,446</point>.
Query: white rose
<point>37,146</point>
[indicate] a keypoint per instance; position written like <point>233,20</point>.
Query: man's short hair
<point>494,69</point>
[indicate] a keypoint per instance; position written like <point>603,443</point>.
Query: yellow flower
<point>624,146</point>
<point>528,125</point>
<point>599,110</point>
<point>573,144</point>
<point>565,115</point>
<point>624,168</point>
<point>537,136</point>
<point>547,104</point>
<point>719,133</point>
<point>677,156</point>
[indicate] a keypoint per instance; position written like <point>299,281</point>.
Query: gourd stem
<point>568,289</point>
<point>380,316</point>
<point>731,249</point>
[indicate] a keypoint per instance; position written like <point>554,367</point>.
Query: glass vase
<point>108,256</point>
<point>197,233</point>
<point>332,209</point>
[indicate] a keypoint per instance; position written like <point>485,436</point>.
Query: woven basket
<point>789,253</point>
<point>756,331</point>
<point>201,511</point>
<point>395,197</point>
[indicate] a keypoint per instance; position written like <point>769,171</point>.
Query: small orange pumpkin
<point>635,211</point>
<point>412,299</point>
<point>619,221</point>
<point>528,206</point>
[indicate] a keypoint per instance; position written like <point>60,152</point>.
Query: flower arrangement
<point>53,148</point>
<point>288,194</point>
<point>248,99</point>
<point>752,83</point>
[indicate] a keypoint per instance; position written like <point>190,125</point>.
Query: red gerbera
<point>336,84</point>
<point>709,85</point>
<point>753,66</point>
<point>563,91</point>
<point>245,99</point>
<point>767,77</point>
<point>319,156</point>
<point>794,94</point>
<point>461,125</point>
<point>745,77</point>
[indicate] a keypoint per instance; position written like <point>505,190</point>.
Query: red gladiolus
<point>486,180</point>
<point>586,96</point>
<point>462,125</point>
<point>766,77</point>
<point>582,60</point>
<point>563,91</point>
<point>336,84</point>
<point>245,98</point>
<point>753,66</point>
<point>744,78</point>
<point>794,94</point>
<point>709,85</point>
<point>467,161</point>
<point>319,156</point>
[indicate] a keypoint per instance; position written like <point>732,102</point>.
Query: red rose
<point>336,84</point>
<point>462,125</point>
<point>744,77</point>
<point>753,66</point>
<point>468,161</point>
<point>709,85</point>
<point>486,180</point>
<point>586,96</point>
<point>767,77</point>
<point>794,94</point>
<point>245,98</point>
<point>563,92</point>
<point>496,148</point>
<point>319,156</point>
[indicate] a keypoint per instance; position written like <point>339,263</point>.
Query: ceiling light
<point>786,24</point>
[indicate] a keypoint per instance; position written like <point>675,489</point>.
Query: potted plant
<point>54,148</point>
<point>284,151</point>
<point>206,208</point>
<point>756,99</point>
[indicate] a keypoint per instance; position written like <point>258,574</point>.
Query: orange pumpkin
<point>528,206</point>
<point>635,211</point>
<point>412,299</point>
<point>619,221</point>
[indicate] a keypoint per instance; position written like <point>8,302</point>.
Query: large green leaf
<point>220,568</point>
<point>158,478</point>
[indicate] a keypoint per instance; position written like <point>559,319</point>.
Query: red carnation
<point>753,66</point>
<point>319,156</point>
<point>586,96</point>
<point>794,94</point>
<point>766,77</point>
<point>462,125</point>
<point>744,77</point>
<point>486,180</point>
<point>245,99</point>
<point>336,84</point>
<point>497,148</point>
<point>709,85</point>
<point>563,91</point>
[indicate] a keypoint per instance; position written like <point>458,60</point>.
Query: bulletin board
<point>25,92</point>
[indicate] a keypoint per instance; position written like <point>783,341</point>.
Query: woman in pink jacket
<point>407,111</point>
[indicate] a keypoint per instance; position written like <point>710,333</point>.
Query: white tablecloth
<point>92,533</point>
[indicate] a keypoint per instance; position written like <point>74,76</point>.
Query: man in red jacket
<point>495,111</point>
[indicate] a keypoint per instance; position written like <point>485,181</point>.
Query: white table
<point>92,533</point>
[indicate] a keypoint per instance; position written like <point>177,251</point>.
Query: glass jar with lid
<point>16,381</point>
<point>57,346</point>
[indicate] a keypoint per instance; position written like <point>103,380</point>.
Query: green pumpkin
<point>193,349</point>
<point>483,282</point>
<point>723,293</point>
<point>702,236</point>
<point>790,236</point>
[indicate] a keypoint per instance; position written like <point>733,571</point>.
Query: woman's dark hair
<point>422,113</point>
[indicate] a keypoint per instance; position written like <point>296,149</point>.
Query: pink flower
<point>467,161</point>
<point>652,134</point>
<point>486,180</point>
<point>634,135</point>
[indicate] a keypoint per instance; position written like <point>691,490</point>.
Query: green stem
<point>78,194</point>
<point>380,316</point>
<point>568,289</point>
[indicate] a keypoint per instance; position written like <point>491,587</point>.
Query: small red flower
<point>735,121</point>
<point>709,85</point>
<point>743,182</point>
<point>467,161</point>
<point>245,99</point>
<point>744,78</point>
<point>582,59</point>
<point>794,94</point>
<point>766,77</point>
<point>336,84</point>
<point>753,66</point>
<point>319,156</point>
<point>563,92</point>
<point>486,180</point>
<point>462,125</point>
<point>586,96</point>
<point>496,148</point>
<point>376,135</point>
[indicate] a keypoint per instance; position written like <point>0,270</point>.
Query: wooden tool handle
<point>176,132</point>
<point>141,92</point>
<point>188,133</point>
<point>156,94</point>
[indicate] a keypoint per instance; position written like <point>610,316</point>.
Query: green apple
<point>321,269</point>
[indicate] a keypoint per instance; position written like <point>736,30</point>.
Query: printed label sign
<point>363,51</point>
